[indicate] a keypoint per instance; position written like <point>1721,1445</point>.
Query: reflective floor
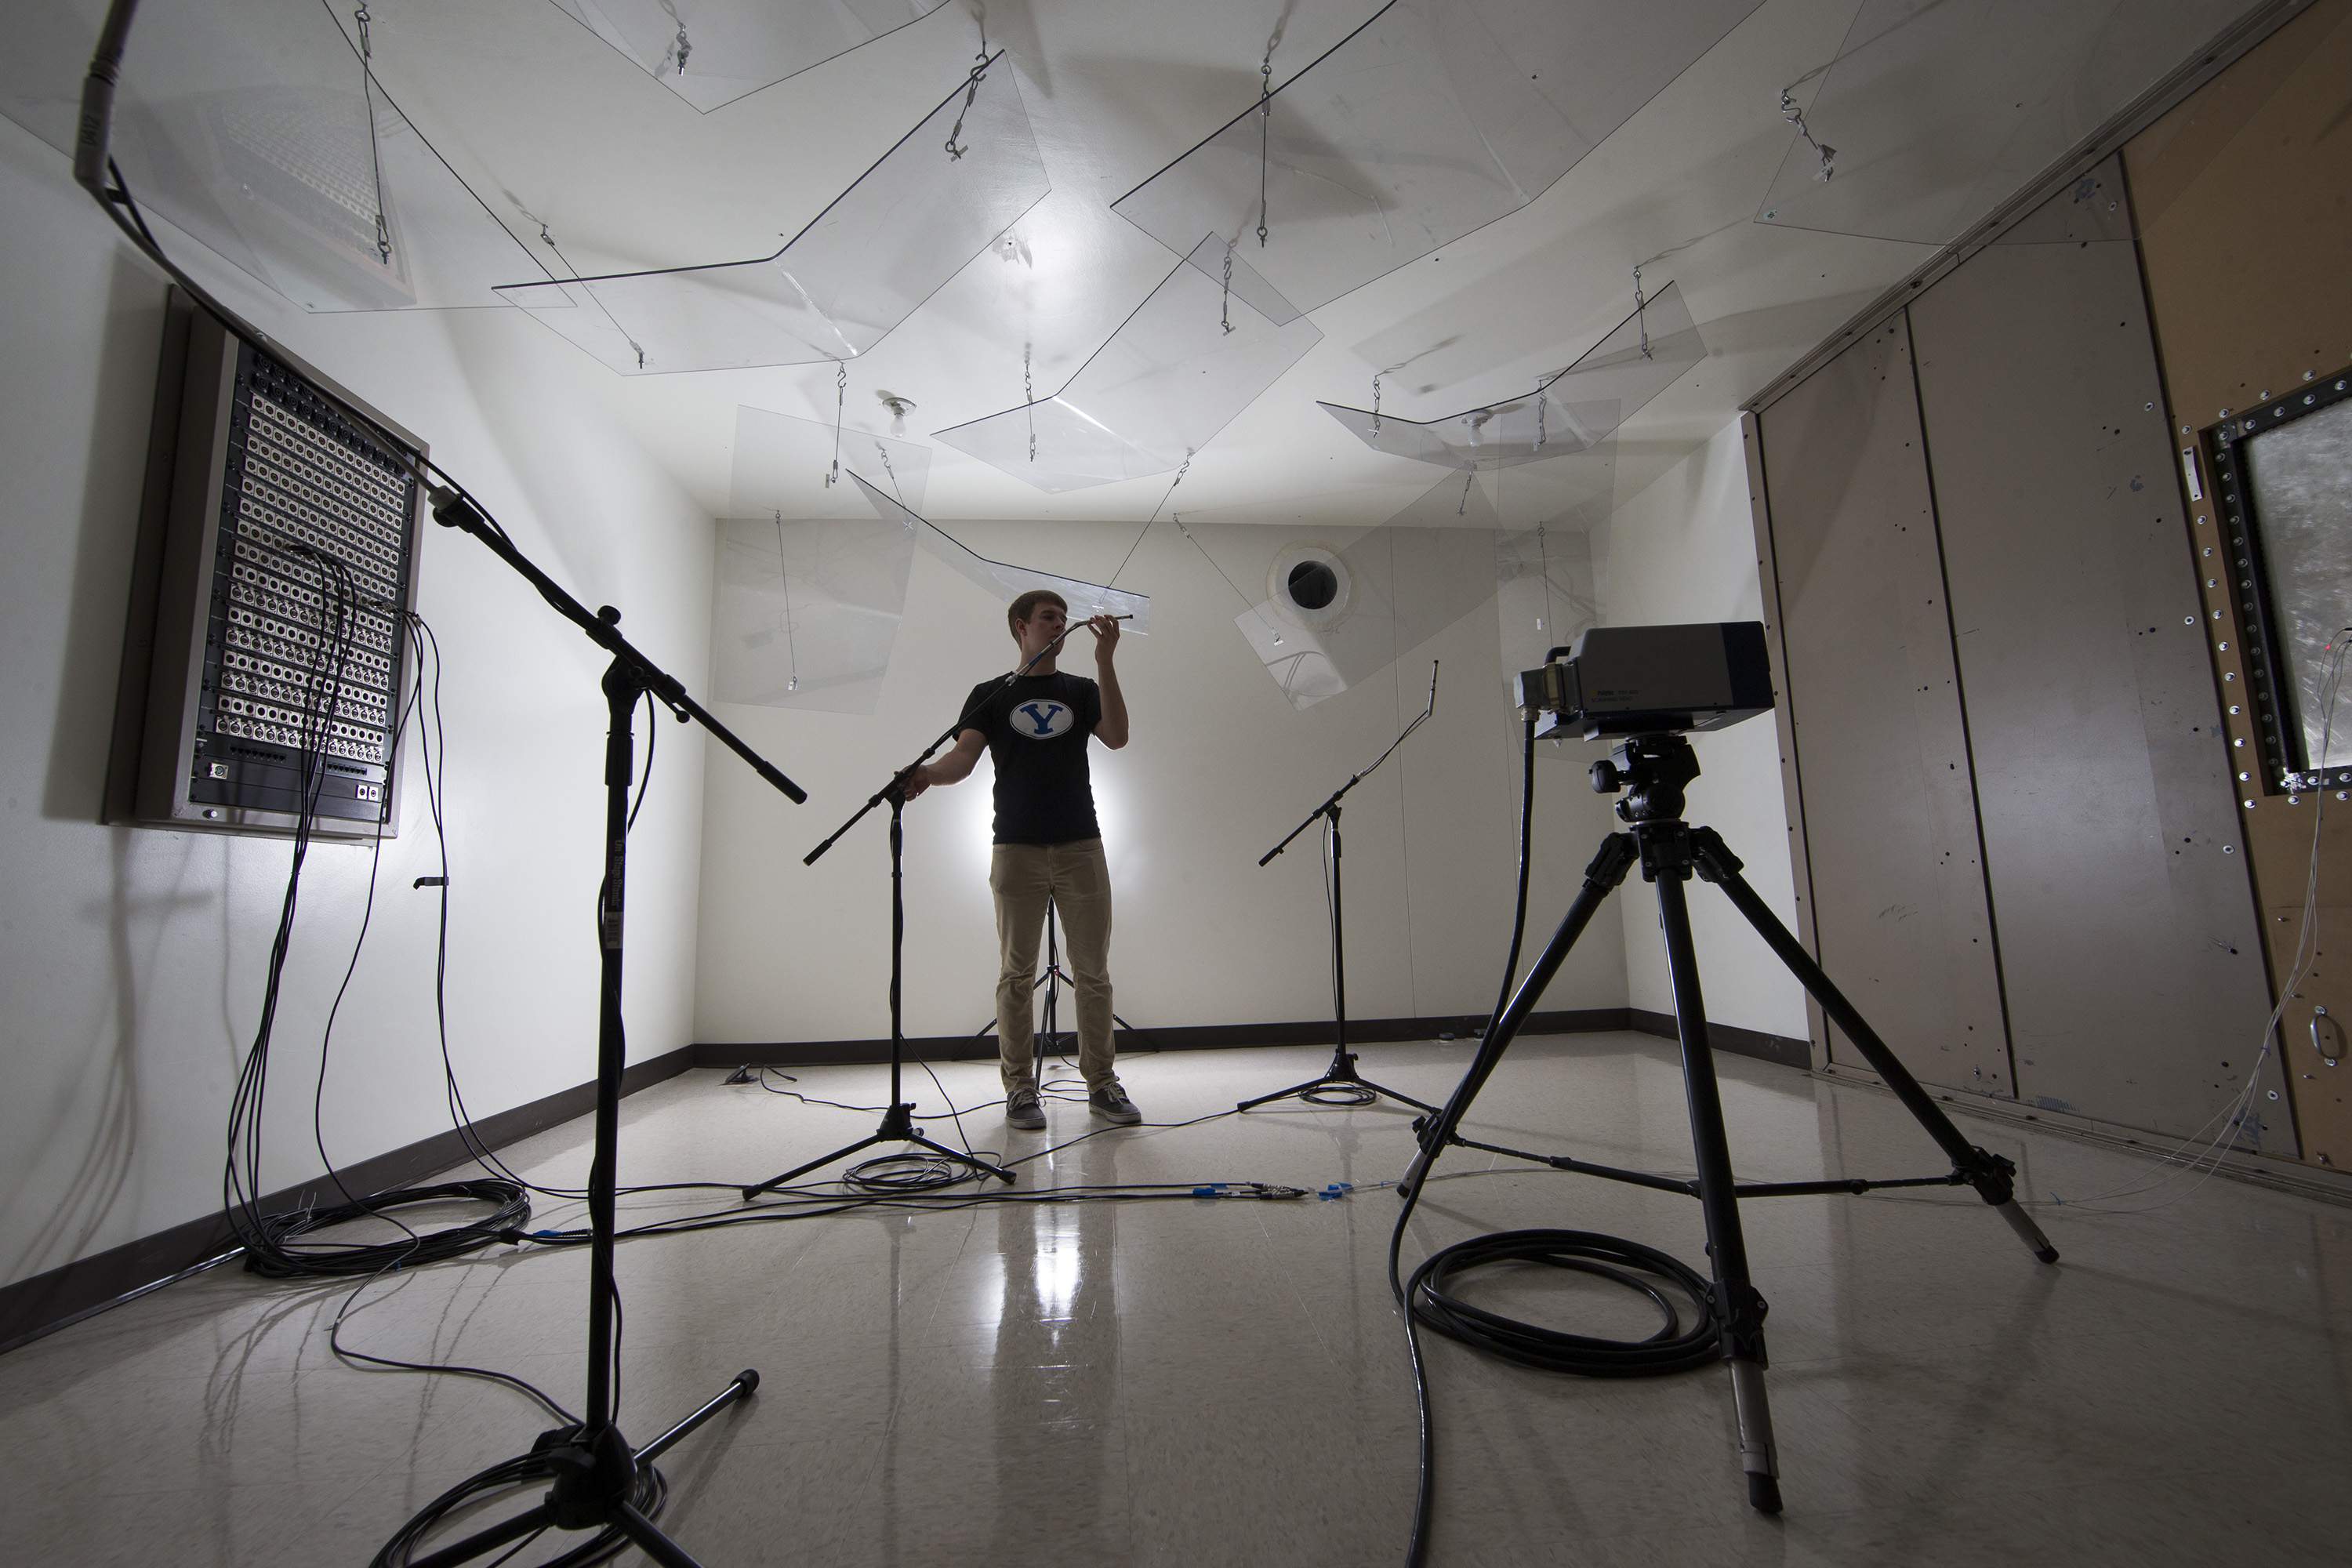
<point>1194,1381</point>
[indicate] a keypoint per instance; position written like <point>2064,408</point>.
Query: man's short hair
<point>1025,606</point>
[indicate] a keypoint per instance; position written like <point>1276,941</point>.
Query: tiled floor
<point>1192,1382</point>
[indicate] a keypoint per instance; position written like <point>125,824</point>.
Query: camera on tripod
<point>1650,680</point>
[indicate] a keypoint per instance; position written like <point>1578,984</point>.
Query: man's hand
<point>1105,630</point>
<point>917,782</point>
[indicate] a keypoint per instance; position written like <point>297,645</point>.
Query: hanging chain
<point>889,472</point>
<point>791,651</point>
<point>1376,400</point>
<point>1264,118</point>
<point>1467,481</point>
<point>375,157</point>
<point>1029,399</point>
<point>549,240</point>
<point>1796,117</point>
<point>971,91</point>
<point>1542,403</point>
<point>1225,301</point>
<point>1543,564</point>
<point>840,394</point>
<point>1640,306</point>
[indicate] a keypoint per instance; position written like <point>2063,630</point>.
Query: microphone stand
<point>899,1124</point>
<point>1341,1074</point>
<point>599,1481</point>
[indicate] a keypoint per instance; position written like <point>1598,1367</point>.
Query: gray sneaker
<point>1111,1104</point>
<point>1025,1110</point>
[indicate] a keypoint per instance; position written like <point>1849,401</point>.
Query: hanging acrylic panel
<point>1432,120</point>
<point>805,613</point>
<point>261,130</point>
<point>712,52</point>
<point>1933,112</point>
<point>1570,412</point>
<point>1002,579</point>
<point>845,281</point>
<point>1329,610</point>
<point>1197,351</point>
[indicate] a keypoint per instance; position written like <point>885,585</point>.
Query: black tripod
<point>1652,770</point>
<point>1342,1084</point>
<point>899,1125</point>
<point>1051,983</point>
<point>599,1481</point>
<point>899,1121</point>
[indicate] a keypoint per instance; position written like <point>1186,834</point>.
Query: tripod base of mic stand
<point>596,1481</point>
<point>1340,1074</point>
<point>898,1127</point>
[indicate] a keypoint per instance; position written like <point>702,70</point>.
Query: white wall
<point>1685,550</point>
<point>131,960</point>
<point>1220,767</point>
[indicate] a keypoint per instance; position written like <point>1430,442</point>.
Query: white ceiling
<point>537,114</point>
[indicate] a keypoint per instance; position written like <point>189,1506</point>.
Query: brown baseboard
<point>1198,1037</point>
<point>46,1302</point>
<point>1731,1037</point>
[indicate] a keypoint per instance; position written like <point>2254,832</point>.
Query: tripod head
<point>1652,770</point>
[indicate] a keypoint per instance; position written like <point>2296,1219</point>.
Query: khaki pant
<point>1078,880</point>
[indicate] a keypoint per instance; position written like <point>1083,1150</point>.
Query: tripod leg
<point>1601,876</point>
<point>1993,1176</point>
<point>745,1383</point>
<point>481,1543</point>
<point>1726,1244</point>
<point>649,1538</point>
<point>799,1171</point>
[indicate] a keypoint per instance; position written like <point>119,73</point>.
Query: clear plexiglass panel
<point>1195,353</point>
<point>710,52</point>
<point>1006,581</point>
<point>805,613</point>
<point>783,464</point>
<point>1936,112</point>
<point>259,131</point>
<point>1399,586</point>
<point>1570,412</point>
<point>840,285</point>
<point>1434,118</point>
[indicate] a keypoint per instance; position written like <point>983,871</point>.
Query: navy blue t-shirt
<point>1037,730</point>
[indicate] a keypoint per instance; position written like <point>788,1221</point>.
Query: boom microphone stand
<point>898,1123</point>
<point>1652,770</point>
<point>600,1482</point>
<point>1342,1075</point>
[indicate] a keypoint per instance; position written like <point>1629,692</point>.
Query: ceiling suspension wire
<point>840,393</point>
<point>1264,118</point>
<point>970,92</point>
<point>376,154</point>
<point>784,575</point>
<point>1029,398</point>
<point>1795,116</point>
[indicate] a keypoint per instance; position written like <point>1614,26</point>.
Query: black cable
<point>1644,1270</point>
<point>533,1469</point>
<point>1527,855</point>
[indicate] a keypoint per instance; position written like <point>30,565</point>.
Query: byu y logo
<point>1042,720</point>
